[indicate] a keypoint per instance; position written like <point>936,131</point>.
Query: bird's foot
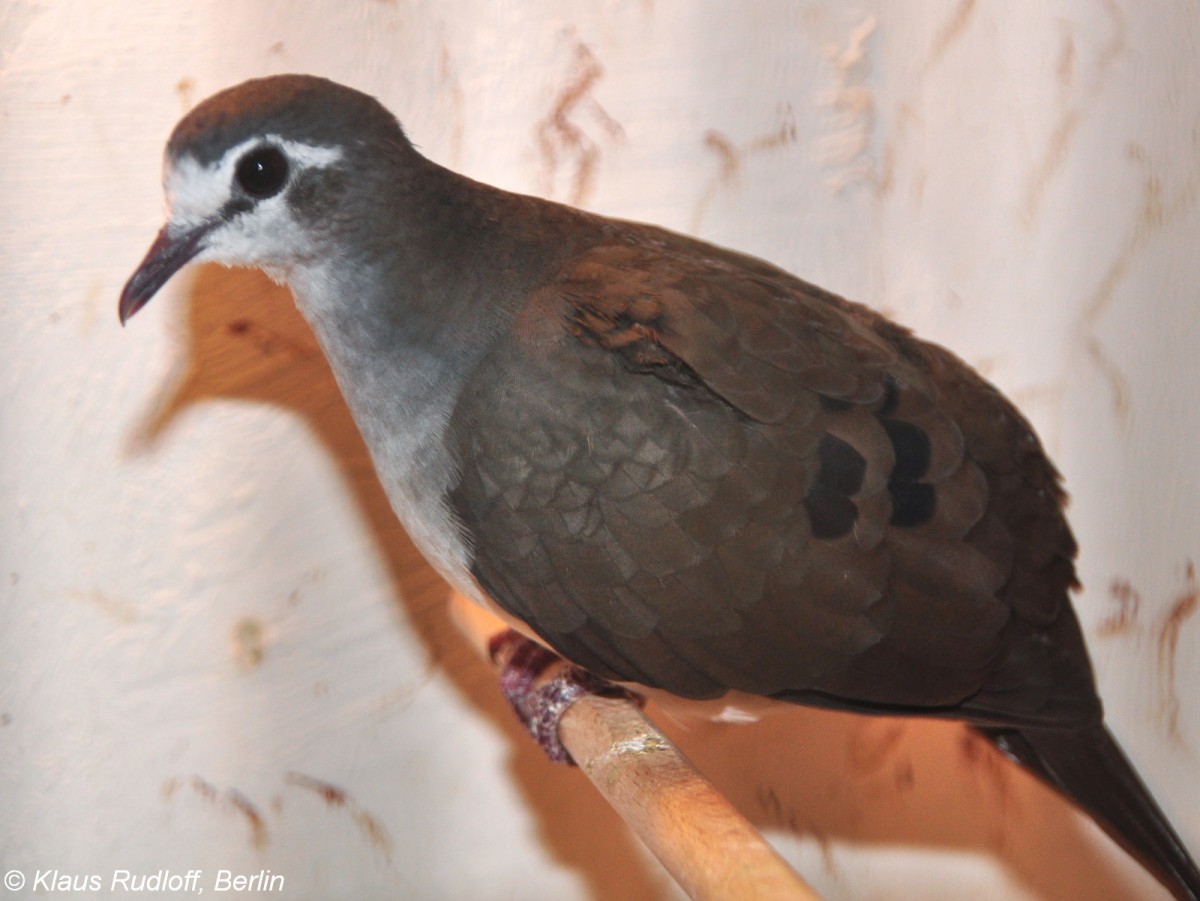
<point>539,698</point>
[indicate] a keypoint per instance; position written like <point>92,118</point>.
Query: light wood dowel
<point>712,851</point>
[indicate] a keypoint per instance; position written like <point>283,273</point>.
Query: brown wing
<point>691,470</point>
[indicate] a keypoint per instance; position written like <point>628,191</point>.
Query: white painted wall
<point>216,648</point>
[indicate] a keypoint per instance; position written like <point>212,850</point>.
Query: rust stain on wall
<point>231,799</point>
<point>1183,609</point>
<point>731,157</point>
<point>1165,633</point>
<point>1129,603</point>
<point>1158,208</point>
<point>450,83</point>
<point>559,135</point>
<point>950,33</point>
<point>333,796</point>
<point>1068,56</point>
<point>119,609</point>
<point>907,112</point>
<point>242,804</point>
<point>727,155</point>
<point>248,642</point>
<point>186,89</point>
<point>1071,115</point>
<point>846,145</point>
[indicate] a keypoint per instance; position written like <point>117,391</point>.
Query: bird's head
<point>257,175</point>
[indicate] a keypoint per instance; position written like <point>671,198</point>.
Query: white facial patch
<point>196,193</point>
<point>267,235</point>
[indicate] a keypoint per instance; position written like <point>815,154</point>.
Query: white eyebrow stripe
<point>196,193</point>
<point>311,156</point>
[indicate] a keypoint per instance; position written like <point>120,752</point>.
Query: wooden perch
<point>711,850</point>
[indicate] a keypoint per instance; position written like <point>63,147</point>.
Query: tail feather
<point>1089,767</point>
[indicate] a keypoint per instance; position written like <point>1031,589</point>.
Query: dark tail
<point>1089,767</point>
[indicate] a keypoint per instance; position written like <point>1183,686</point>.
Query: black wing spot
<point>912,447</point>
<point>831,515</point>
<point>831,511</point>
<point>913,503</point>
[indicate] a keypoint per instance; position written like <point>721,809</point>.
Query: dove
<point>679,467</point>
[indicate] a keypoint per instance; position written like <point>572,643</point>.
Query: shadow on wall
<point>826,775</point>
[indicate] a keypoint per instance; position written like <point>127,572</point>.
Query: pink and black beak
<point>171,250</point>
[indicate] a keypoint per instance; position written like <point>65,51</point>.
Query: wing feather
<point>689,469</point>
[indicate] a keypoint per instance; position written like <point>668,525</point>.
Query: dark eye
<point>262,172</point>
